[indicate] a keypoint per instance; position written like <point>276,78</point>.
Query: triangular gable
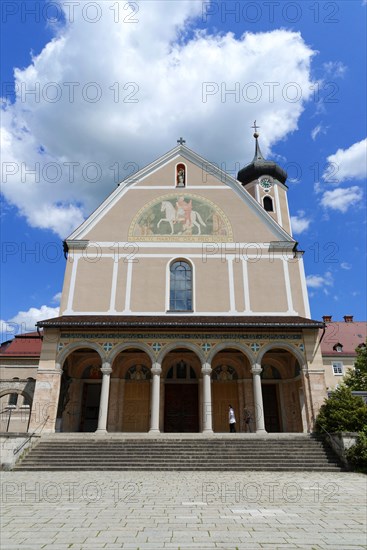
<point>181,153</point>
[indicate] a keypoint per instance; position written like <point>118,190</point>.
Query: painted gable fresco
<point>181,217</point>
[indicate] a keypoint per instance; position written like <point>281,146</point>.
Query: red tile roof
<point>349,335</point>
<point>23,345</point>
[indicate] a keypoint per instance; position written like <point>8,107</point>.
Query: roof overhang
<point>180,322</point>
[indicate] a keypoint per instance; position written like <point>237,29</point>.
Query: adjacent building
<point>338,347</point>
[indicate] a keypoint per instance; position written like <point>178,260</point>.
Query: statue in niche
<point>181,176</point>
<point>224,374</point>
<point>138,373</point>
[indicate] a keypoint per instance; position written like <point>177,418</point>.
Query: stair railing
<point>336,443</point>
<point>17,449</point>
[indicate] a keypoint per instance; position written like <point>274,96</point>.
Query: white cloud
<point>25,321</point>
<point>342,199</point>
<point>319,129</point>
<point>320,281</point>
<point>335,68</point>
<point>300,223</point>
<point>347,164</point>
<point>346,266</point>
<point>56,299</point>
<point>158,79</point>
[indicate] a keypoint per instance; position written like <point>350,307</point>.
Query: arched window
<point>268,204</point>
<point>13,399</point>
<point>180,286</point>
<point>181,371</point>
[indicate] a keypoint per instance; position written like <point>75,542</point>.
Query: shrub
<point>356,379</point>
<point>342,412</point>
<point>357,455</point>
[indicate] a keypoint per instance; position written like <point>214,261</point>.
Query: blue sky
<point>116,83</point>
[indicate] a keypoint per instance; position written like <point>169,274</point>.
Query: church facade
<point>184,293</point>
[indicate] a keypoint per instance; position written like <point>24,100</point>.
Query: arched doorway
<point>129,409</point>
<point>231,385</point>
<point>281,390</point>
<point>181,392</point>
<point>80,391</point>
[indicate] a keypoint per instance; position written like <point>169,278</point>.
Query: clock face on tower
<point>266,183</point>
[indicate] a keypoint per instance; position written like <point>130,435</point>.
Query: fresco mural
<point>181,217</point>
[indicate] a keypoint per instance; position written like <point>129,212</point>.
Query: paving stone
<point>170,512</point>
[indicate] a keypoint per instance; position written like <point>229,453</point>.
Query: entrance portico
<point>161,381</point>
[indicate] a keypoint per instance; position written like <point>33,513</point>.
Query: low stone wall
<point>341,442</point>
<point>12,446</point>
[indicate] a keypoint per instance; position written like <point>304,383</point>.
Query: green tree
<point>342,412</point>
<point>357,454</point>
<point>357,379</point>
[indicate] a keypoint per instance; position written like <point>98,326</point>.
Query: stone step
<point>180,455</point>
<point>170,468</point>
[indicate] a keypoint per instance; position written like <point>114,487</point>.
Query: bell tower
<point>265,181</point>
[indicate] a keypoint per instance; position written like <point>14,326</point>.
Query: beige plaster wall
<point>121,285</point>
<point>238,286</point>
<point>148,285</point>
<point>283,209</point>
<point>296,287</point>
<point>267,286</point>
<point>66,285</point>
<point>212,289</point>
<point>93,285</point>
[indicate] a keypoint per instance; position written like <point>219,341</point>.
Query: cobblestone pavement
<point>183,510</point>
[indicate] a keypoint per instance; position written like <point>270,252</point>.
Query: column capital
<point>106,368</point>
<point>156,369</point>
<point>58,368</point>
<point>304,369</point>
<point>256,369</point>
<point>206,368</point>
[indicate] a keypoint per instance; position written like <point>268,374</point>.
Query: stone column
<point>206,371</point>
<point>154,401</point>
<point>113,409</point>
<point>303,409</point>
<point>103,405</point>
<point>258,398</point>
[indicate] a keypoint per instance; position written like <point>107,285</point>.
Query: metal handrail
<point>336,442</point>
<point>17,449</point>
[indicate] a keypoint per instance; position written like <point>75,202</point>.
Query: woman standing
<point>232,420</point>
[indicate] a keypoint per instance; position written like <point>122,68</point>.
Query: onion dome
<point>260,167</point>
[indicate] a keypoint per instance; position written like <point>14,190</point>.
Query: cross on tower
<point>255,127</point>
<point>181,141</point>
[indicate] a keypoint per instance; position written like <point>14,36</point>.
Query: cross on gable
<point>181,141</point>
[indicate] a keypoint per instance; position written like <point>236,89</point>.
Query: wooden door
<point>136,406</point>
<point>181,410</point>
<point>271,409</point>
<point>90,407</point>
<point>223,395</point>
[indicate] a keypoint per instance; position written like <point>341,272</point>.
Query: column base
<point>154,432</point>
<point>261,431</point>
<point>101,431</point>
<point>207,431</point>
